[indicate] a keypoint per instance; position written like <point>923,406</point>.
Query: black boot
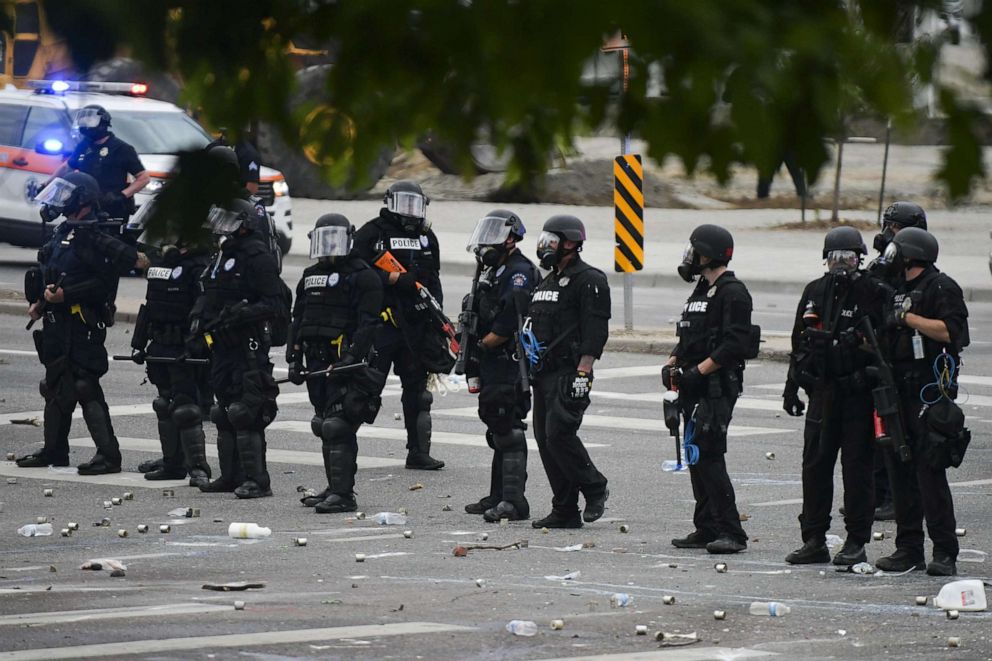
<point>559,520</point>
<point>943,564</point>
<point>172,458</point>
<point>900,561</point>
<point>885,512</point>
<point>850,554</point>
<point>694,540</point>
<point>480,507</point>
<point>250,449</point>
<point>56,432</point>
<point>495,482</point>
<point>231,474</point>
<point>813,552</point>
<point>340,466</point>
<point>108,452</point>
<point>725,544</point>
<point>194,444</point>
<point>150,465</point>
<point>312,501</point>
<point>514,505</point>
<point>595,506</point>
<point>417,418</point>
<point>39,460</point>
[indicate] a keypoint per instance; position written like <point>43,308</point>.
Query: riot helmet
<point>408,204</point>
<point>551,244</point>
<point>92,122</point>
<point>711,241</point>
<point>489,238</point>
<point>226,159</point>
<point>843,248</point>
<point>331,238</point>
<point>239,214</point>
<point>67,195</point>
<point>910,247</point>
<point>897,216</point>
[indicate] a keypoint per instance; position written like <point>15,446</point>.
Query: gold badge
<point>104,152</point>
<point>711,292</point>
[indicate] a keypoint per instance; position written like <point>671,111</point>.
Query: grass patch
<point>827,224</point>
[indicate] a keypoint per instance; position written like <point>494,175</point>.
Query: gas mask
<point>892,260</point>
<point>170,256</point>
<point>489,255</point>
<point>843,262</point>
<point>550,250</point>
<point>93,133</point>
<point>690,266</point>
<point>883,238</point>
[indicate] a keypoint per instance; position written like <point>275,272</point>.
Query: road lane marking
<point>123,479</point>
<point>772,503</point>
<point>85,615</point>
<point>669,654</point>
<point>237,640</point>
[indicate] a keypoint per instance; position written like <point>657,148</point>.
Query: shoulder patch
<point>519,279</point>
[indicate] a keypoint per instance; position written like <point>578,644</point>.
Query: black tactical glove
<point>138,356</point>
<point>896,317</point>
<point>296,375</point>
<point>791,402</point>
<point>691,379</point>
<point>666,375</point>
<point>406,282</point>
<point>196,346</point>
<point>112,199</point>
<point>580,385</point>
<point>345,360</point>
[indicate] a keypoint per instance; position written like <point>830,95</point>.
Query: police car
<point>36,136</point>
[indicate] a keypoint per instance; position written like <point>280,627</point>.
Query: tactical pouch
<point>945,438</point>
<point>753,342</point>
<point>434,353</point>
<point>712,420</point>
<point>364,396</point>
<point>497,406</point>
<point>39,344</point>
<point>259,392</point>
<point>803,370</point>
<point>34,284</point>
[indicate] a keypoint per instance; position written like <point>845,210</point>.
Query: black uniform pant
<point>556,422</point>
<point>839,419</point>
<point>920,491</point>
<point>178,384</point>
<point>395,350</point>
<point>75,358</point>
<point>503,407</point>
<point>716,512</point>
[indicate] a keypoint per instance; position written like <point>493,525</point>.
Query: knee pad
<point>187,415</point>
<point>45,391</point>
<point>489,439</point>
<point>161,407</point>
<point>218,416</point>
<point>85,390</point>
<point>511,442</point>
<point>334,431</point>
<point>317,425</point>
<point>424,400</point>
<point>182,399</point>
<point>240,416</point>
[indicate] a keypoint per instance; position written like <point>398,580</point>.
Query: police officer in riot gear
<point>567,328</point>
<point>335,316</point>
<point>184,394</point>
<point>896,216</point>
<point>506,279</point>
<point>828,362</point>
<point>108,159</point>
<point>402,230</point>
<point>241,311</point>
<point>707,366</point>
<point>928,328</point>
<point>73,290</point>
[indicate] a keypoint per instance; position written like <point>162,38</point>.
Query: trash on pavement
<point>65,532</point>
<point>676,639</point>
<point>570,576</point>
<point>641,629</point>
<point>41,519</point>
<point>573,547</point>
<point>408,534</point>
<point>128,495</point>
<point>954,641</point>
<point>118,573</point>
<point>480,582</point>
<point>667,599</point>
<point>100,564</point>
<point>860,568</point>
<point>921,601</point>
<point>72,525</point>
<point>878,536</point>
<point>621,600</point>
<point>48,493</point>
<point>522,627</point>
<point>165,528</point>
<point>446,508</point>
<point>359,557</point>
<point>770,456</point>
<point>35,530</point>
<point>834,540</point>
<point>557,625</point>
<point>390,519</point>
<point>952,614</point>
<point>624,528</point>
<point>720,567</point>
<point>122,532</point>
<point>116,501</point>
<point>968,595</point>
<point>719,615</point>
<point>416,487</point>
<point>458,552</point>
<point>247,531</point>
<point>299,541</point>
<point>770,608</point>
<point>237,586</point>
<point>239,605</point>
<point>960,532</point>
<point>34,422</point>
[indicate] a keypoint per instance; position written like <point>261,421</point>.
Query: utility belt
<point>857,381</point>
<point>389,317</point>
<point>325,350</point>
<point>170,334</point>
<point>251,337</point>
<point>88,315</point>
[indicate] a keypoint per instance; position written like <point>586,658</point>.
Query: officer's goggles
<point>845,260</point>
<point>56,193</point>
<point>489,231</point>
<point>329,242</point>
<point>403,203</point>
<point>223,221</point>
<point>547,242</point>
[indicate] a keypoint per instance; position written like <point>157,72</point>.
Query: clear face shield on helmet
<point>689,266</point>
<point>547,249</point>
<point>330,242</point>
<point>224,222</point>
<point>843,261</point>
<point>56,194</point>
<point>403,203</point>
<point>488,240</point>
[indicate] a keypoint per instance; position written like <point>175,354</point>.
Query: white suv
<point>36,136</point>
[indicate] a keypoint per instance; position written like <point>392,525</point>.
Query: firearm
<point>178,360</point>
<point>673,419</point>
<point>42,303</point>
<point>387,262</point>
<point>327,372</point>
<point>889,430</point>
<point>521,300</point>
<point>468,330</point>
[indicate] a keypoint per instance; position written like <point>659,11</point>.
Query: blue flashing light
<point>52,146</point>
<point>59,86</point>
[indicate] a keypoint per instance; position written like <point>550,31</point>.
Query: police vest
<point>172,291</point>
<point>840,304</point>
<point>901,341</point>
<point>701,322</point>
<point>72,253</point>
<point>224,280</point>
<point>495,298</point>
<point>555,307</point>
<point>329,301</point>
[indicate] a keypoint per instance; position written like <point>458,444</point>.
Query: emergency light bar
<point>63,86</point>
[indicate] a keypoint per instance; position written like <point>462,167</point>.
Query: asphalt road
<point>411,598</point>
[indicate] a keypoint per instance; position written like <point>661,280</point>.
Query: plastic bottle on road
<point>390,519</point>
<point>621,600</point>
<point>672,466</point>
<point>772,608</point>
<point>247,531</point>
<point>522,627</point>
<point>35,530</point>
<point>962,595</point>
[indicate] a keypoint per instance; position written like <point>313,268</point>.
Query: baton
<point>165,359</point>
<point>54,287</point>
<point>327,372</point>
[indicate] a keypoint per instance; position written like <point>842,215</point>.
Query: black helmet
<point>843,238</point>
<point>905,214</point>
<point>240,213</point>
<point>491,233</point>
<point>551,244</point>
<point>915,245</point>
<point>331,238</point>
<point>227,158</point>
<point>92,121</point>
<point>710,241</point>
<point>407,202</point>
<point>67,194</point>
<point>569,227</point>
